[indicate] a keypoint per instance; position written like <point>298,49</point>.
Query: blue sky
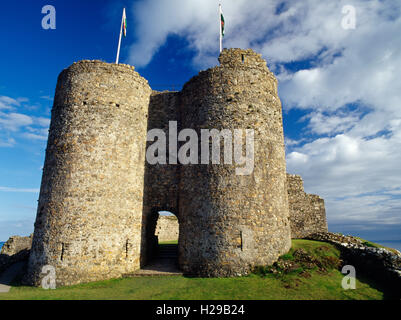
<point>339,88</point>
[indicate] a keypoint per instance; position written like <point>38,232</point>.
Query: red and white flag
<point>124,23</point>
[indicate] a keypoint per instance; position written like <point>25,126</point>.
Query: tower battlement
<point>235,58</point>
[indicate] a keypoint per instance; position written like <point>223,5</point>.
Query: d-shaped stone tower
<point>88,223</point>
<point>234,221</point>
<point>99,198</point>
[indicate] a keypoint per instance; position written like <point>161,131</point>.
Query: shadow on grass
<point>372,274</point>
<point>381,283</point>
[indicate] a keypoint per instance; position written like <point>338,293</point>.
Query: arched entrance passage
<point>167,234</point>
<point>161,232</point>
<point>161,245</point>
<point>161,180</point>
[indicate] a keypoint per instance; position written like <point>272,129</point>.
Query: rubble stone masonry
<point>228,222</point>
<point>307,211</point>
<point>89,216</point>
<point>167,228</point>
<point>99,198</point>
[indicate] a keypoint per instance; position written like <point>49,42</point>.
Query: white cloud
<point>24,190</point>
<point>36,136</point>
<point>320,123</point>
<point>8,103</point>
<point>48,98</point>
<point>156,20</point>
<point>42,122</point>
<point>14,124</point>
<point>7,142</point>
<point>343,169</point>
<point>353,153</point>
<point>14,121</point>
<point>290,142</point>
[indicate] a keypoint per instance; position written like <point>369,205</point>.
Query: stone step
<point>168,252</point>
<point>158,267</point>
<point>165,254</point>
<point>151,273</point>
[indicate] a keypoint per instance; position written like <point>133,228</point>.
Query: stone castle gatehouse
<point>99,198</point>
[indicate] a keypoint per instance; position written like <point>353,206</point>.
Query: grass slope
<point>304,281</point>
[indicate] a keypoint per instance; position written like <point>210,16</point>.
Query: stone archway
<point>161,245</point>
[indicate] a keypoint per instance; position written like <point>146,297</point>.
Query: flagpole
<point>221,36</point>
<point>119,41</point>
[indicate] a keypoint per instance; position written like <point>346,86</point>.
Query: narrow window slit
<point>62,252</point>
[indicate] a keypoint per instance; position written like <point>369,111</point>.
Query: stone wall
<point>161,180</point>
<point>15,249</point>
<point>230,222</point>
<point>99,199</point>
<point>89,217</point>
<point>307,211</point>
<point>167,228</point>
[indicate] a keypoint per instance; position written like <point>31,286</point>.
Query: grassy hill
<point>309,271</point>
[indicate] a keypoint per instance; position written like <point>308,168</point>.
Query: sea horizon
<point>394,244</point>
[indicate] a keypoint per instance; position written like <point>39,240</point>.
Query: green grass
<point>292,285</point>
<point>169,242</point>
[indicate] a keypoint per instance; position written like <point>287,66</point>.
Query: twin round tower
<point>100,198</point>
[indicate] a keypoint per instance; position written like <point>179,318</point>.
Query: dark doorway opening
<point>162,244</point>
<point>167,234</point>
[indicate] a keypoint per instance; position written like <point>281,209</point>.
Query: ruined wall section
<point>16,249</point>
<point>230,223</point>
<point>161,180</point>
<point>307,211</point>
<point>167,228</point>
<point>89,217</point>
